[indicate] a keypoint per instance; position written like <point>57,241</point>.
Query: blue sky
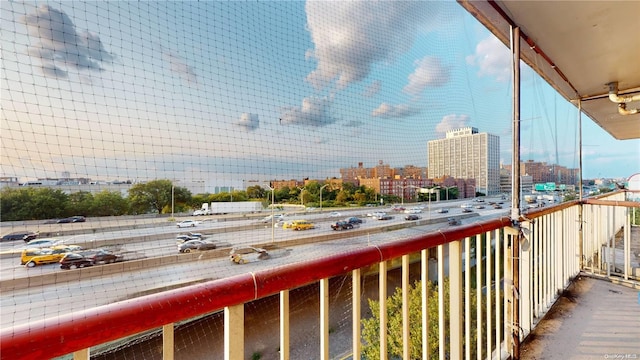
<point>228,91</point>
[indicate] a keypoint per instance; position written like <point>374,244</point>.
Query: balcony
<point>486,289</point>
<point>527,267</point>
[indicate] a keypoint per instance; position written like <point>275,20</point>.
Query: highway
<point>32,303</point>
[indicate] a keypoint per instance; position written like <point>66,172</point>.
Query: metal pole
<point>580,233</point>
<point>515,203</point>
<point>172,198</point>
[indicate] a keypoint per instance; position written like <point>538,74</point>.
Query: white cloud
<point>429,72</point>
<point>314,111</point>
<point>351,36</point>
<point>59,42</point>
<point>249,121</point>
<point>387,111</point>
<point>492,58</point>
<point>451,122</point>
<point>372,89</point>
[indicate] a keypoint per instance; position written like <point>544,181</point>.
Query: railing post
<point>81,354</point>
<point>234,332</point>
<point>382,294</point>
<point>442,345</point>
<point>406,339</point>
<point>168,342</point>
<point>356,305</point>
<point>455,300</point>
<point>284,325</point>
<point>324,319</point>
<point>424,271</point>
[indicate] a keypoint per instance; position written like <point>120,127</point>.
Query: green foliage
<point>371,326</point>
<point>33,203</point>
<point>155,196</point>
<point>108,203</point>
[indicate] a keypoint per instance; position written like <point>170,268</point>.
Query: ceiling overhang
<point>578,47</point>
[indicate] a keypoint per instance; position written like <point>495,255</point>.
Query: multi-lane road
<point>31,303</point>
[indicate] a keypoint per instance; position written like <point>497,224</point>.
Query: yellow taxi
<point>298,225</point>
<point>36,256</point>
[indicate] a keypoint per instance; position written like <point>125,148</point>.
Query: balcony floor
<point>593,319</point>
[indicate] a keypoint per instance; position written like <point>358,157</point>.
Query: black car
<point>72,219</point>
<point>354,220</point>
<point>341,225</point>
<point>412,217</point>
<point>75,260</point>
<point>453,221</point>
<point>20,235</point>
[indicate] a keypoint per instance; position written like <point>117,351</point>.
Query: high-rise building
<point>466,154</point>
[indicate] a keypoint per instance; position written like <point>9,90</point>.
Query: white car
<point>187,223</point>
<point>334,214</point>
<point>42,243</point>
<point>413,211</point>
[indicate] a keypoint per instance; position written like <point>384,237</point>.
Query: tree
<point>154,196</point>
<point>80,203</point>
<point>109,203</point>
<point>371,326</point>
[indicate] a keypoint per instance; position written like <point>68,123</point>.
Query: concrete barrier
<point>134,265</point>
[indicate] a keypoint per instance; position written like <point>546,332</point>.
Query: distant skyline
<point>229,91</point>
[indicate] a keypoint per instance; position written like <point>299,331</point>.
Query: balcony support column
<point>455,299</point>
<point>234,332</point>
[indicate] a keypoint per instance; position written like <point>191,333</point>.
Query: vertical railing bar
<point>406,339</point>
<point>506,290</point>
<point>536,268</point>
<point>424,271</point>
<point>497,282</point>
<point>467,298</point>
<point>627,244</point>
<point>489,300</point>
<point>82,354</point>
<point>382,294</point>
<point>234,332</point>
<point>324,319</point>
<point>284,325</point>
<point>441,324</point>
<point>356,298</point>
<point>455,300</point>
<point>479,328</point>
<point>168,342</point>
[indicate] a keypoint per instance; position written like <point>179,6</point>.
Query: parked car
<point>187,223</point>
<point>412,217</point>
<point>353,220</point>
<point>341,225</point>
<point>442,211</point>
<point>243,255</point>
<point>298,225</point>
<point>20,235</point>
<point>453,221</point>
<point>192,245</point>
<point>39,256</point>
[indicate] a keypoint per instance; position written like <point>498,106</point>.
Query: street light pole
<point>273,225</point>
<point>172,197</point>
<point>301,194</point>
<point>322,187</point>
